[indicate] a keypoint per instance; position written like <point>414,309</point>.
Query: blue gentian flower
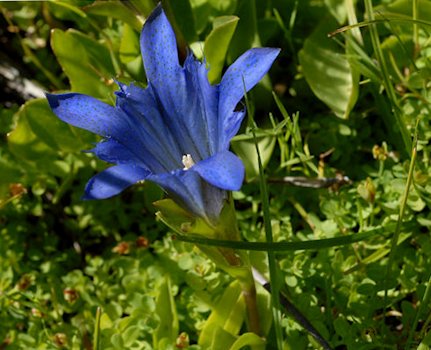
<point>176,131</point>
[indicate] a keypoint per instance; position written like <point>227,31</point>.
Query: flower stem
<point>249,292</point>
<point>236,264</point>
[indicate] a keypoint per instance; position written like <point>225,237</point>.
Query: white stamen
<point>188,161</point>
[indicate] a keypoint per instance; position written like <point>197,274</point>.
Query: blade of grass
<point>268,233</point>
<point>351,16</point>
<point>390,90</point>
<point>96,336</point>
<point>293,311</point>
<point>415,26</point>
<point>425,300</point>
<point>400,219</point>
<point>281,247</point>
<point>401,19</point>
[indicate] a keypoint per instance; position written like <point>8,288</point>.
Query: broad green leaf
<point>87,63</point>
<point>228,315</point>
<point>404,8</point>
<point>23,142</point>
<point>129,335</point>
<point>66,10</point>
<point>247,339</point>
<point>426,342</point>
<point>246,150</point>
<point>144,7</point>
<point>166,310</point>
<point>221,339</point>
<point>115,9</point>
<point>328,71</point>
<point>217,44</point>
<point>40,134</point>
<point>130,53</point>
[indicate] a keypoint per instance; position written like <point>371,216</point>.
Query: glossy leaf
<point>166,310</point>
<point>246,150</point>
<point>328,71</point>
<point>228,315</point>
<point>40,134</point>
<point>247,339</point>
<point>130,53</point>
<point>87,63</point>
<point>217,44</point>
<point>404,8</point>
<point>115,9</point>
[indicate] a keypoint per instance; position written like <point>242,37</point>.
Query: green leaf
<point>167,312</point>
<point>247,339</point>
<point>115,9</point>
<point>404,8</point>
<point>426,342</point>
<point>228,315</point>
<point>86,62</point>
<point>130,335</point>
<point>143,7</point>
<point>66,10</point>
<point>246,150</point>
<point>217,44</point>
<point>130,53</point>
<point>328,72</point>
<point>40,134</point>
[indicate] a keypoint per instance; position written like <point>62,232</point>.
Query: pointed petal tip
<point>159,49</point>
<point>113,181</point>
<point>158,10</point>
<point>53,100</point>
<point>223,170</point>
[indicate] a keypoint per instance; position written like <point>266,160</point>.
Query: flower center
<point>187,162</point>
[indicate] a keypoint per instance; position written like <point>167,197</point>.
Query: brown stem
<point>249,292</point>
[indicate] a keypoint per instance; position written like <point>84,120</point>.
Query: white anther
<point>188,161</point>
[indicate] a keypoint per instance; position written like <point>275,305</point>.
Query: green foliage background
<point>350,105</point>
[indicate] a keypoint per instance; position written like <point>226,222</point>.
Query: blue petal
<point>87,113</point>
<point>231,129</point>
<point>223,170</point>
<point>155,136</point>
<point>114,152</point>
<point>240,77</point>
<point>113,180</point>
<point>202,105</point>
<point>184,187</point>
<point>184,97</point>
<point>189,190</point>
<point>93,115</point>
<point>159,49</point>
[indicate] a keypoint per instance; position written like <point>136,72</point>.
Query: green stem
<point>403,205</point>
<point>236,264</point>
<point>415,28</point>
<point>96,336</point>
<point>250,298</point>
<point>386,81</point>
<point>422,305</point>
